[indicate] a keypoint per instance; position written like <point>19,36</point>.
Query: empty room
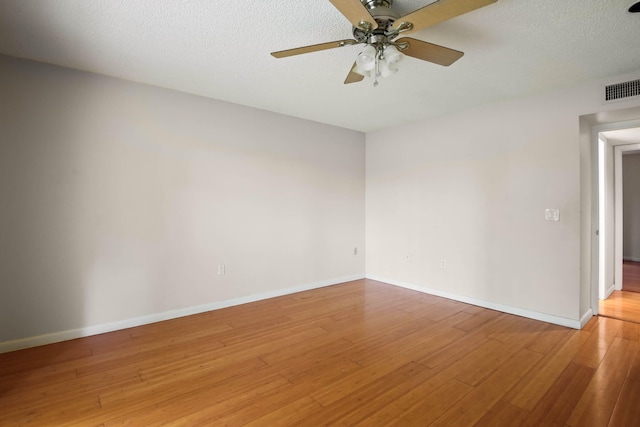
<point>338,212</point>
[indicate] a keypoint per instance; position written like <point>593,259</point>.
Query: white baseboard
<point>585,318</point>
<point>544,317</point>
<point>630,258</point>
<point>167,315</point>
<point>609,291</point>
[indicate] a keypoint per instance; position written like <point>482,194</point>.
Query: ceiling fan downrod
<point>383,15</point>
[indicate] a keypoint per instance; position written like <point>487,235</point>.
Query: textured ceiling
<point>220,49</point>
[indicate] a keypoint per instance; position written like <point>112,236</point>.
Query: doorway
<point>618,267</point>
<point>631,219</point>
<point>590,126</point>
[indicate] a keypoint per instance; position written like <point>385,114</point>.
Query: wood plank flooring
<point>360,353</point>
<point>631,276</point>
<point>622,305</point>
<point>625,304</point>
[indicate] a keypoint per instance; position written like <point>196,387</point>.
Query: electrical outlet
<point>552,214</point>
<point>407,258</point>
<point>355,251</point>
<point>443,263</point>
<point>221,270</point>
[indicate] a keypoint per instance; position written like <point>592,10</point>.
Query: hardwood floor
<point>625,304</point>
<point>622,305</point>
<point>631,276</point>
<point>360,353</point>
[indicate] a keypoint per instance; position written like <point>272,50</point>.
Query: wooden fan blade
<point>353,77</point>
<point>356,13</point>
<point>429,52</point>
<point>313,48</point>
<point>438,12</point>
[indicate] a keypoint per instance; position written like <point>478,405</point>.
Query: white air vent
<point>620,91</point>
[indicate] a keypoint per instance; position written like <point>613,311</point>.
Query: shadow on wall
<point>43,221</point>
<point>63,262</point>
<point>41,252</point>
<point>81,218</point>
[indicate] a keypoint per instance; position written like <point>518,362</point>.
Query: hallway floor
<point>631,276</point>
<point>625,304</point>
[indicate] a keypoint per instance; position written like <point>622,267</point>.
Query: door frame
<point>603,240</point>
<point>619,150</point>
<point>590,127</point>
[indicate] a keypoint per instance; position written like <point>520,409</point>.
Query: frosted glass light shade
<point>392,55</point>
<point>387,68</point>
<point>366,60</point>
<point>362,72</point>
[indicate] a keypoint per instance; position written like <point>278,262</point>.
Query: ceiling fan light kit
<point>377,26</point>
<point>372,62</point>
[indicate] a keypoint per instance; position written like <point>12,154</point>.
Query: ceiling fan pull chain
<point>377,70</point>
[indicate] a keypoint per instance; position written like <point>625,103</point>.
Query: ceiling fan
<point>377,26</point>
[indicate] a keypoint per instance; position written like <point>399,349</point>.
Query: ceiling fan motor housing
<point>381,11</point>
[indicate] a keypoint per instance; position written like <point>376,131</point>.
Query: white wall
<point>119,200</point>
<point>472,188</point>
<point>607,219</point>
<point>631,206</point>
